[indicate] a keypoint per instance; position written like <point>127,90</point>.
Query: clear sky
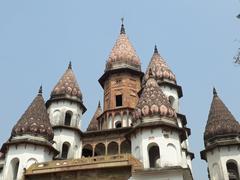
<point>197,38</point>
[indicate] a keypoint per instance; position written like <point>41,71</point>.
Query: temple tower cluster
<point>139,133</point>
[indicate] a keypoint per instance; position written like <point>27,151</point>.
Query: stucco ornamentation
<point>153,102</point>
<point>35,120</point>
<point>160,69</point>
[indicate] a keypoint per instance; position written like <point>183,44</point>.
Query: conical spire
<point>220,120</point>
<point>153,102</point>
<point>93,125</point>
<point>160,69</point>
<point>67,86</point>
<point>123,55</point>
<point>35,120</point>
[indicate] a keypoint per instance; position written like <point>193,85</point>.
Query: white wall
<point>218,158</point>
<point>58,109</point>
<point>27,154</point>
<point>70,136</point>
<point>164,139</point>
<point>169,91</point>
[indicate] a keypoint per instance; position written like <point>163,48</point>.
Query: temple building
<point>138,133</point>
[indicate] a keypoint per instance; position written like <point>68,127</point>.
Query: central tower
<point>121,82</point>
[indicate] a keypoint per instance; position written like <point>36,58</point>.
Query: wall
<point>62,135</point>
<point>218,158</point>
<point>27,154</point>
<point>58,109</point>
<point>163,138</point>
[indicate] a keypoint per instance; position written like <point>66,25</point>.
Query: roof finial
<point>122,27</point>
<point>40,90</point>
<point>155,49</point>
<point>70,65</point>
<point>99,104</point>
<point>214,91</point>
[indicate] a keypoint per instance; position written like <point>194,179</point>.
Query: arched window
<point>68,117</point>
<point>87,151</point>
<point>13,170</point>
<point>65,150</point>
<point>154,155</point>
<point>112,148</point>
<point>232,169</point>
<point>118,124</point>
<point>126,147</point>
<point>100,149</point>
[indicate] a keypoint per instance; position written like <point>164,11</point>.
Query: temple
<point>137,133</point>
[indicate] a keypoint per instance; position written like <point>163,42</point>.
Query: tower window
<point>68,117</point>
<point>232,170</point>
<point>65,149</point>
<point>118,100</point>
<point>154,155</point>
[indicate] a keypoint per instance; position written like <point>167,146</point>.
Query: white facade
<point>68,134</point>
<point>172,96</point>
<point>22,156</point>
<point>72,139</point>
<point>219,157</point>
<point>57,112</point>
<point>168,142</point>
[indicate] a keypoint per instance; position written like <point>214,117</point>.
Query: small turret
<point>221,139</point>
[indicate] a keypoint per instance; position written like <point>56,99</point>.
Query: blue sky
<point>197,38</point>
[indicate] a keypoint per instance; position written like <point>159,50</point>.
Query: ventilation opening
<point>232,171</point>
<point>154,156</point>
<point>118,100</point>
<point>65,149</point>
<point>118,124</point>
<point>68,117</point>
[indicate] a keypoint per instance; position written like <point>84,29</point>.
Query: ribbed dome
<point>93,125</point>
<point>153,102</point>
<point>160,69</point>
<point>220,120</point>
<point>35,120</point>
<point>67,86</point>
<point>123,55</point>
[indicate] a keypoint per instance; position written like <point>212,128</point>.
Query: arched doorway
<point>65,150</point>
<point>232,169</point>
<point>100,149</point>
<point>87,151</point>
<point>112,148</point>
<point>153,155</point>
<point>126,147</point>
<point>13,170</point>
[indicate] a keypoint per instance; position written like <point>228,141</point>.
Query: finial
<point>99,104</point>
<point>40,90</point>
<point>155,49</point>
<point>122,27</point>
<point>70,65</point>
<point>214,91</point>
